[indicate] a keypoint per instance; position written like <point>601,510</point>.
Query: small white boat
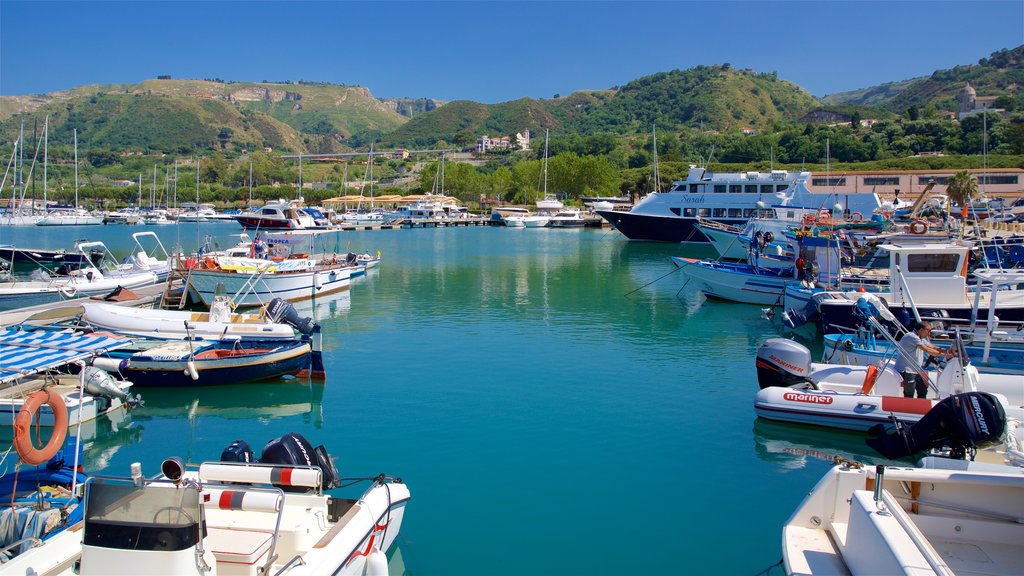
<point>219,323</point>
<point>550,201</point>
<point>567,218</point>
<point>793,389</point>
<point>514,221</point>
<point>157,220</point>
<point>240,518</point>
<point>885,520</point>
<point>536,221</point>
<point>78,217</point>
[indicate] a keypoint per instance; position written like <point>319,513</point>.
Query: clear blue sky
<point>492,51</point>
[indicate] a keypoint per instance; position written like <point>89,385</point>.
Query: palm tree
<point>961,188</point>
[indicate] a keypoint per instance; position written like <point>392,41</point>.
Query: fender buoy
<point>27,451</point>
<point>856,217</point>
<point>918,227</point>
<point>869,379</point>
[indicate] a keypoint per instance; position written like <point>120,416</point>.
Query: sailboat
<point>548,203</point>
<point>75,217</point>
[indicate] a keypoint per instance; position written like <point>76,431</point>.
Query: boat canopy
<point>25,353</point>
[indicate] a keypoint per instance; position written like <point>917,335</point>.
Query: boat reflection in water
<point>323,308</point>
<point>262,401</point>
<point>794,446</point>
<point>100,437</point>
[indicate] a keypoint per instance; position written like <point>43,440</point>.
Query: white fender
<point>317,282</point>
<point>376,563</point>
<point>190,369</point>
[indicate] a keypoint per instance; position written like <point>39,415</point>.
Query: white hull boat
<point>515,221</point>
<point>229,518</point>
<point>70,220</point>
<point>858,397</point>
<point>219,323</point>
<point>888,520</point>
<point>253,282</point>
<point>536,221</point>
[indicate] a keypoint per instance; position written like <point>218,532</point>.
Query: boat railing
<point>715,225</point>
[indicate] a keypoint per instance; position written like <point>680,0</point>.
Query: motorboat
<point>152,259</point>
<point>793,389</point>
<point>863,520</point>
<point>931,278</point>
<point>283,215</point>
<point>234,516</point>
<point>178,363</point>
<point>74,280</point>
<point>564,218</point>
<point>219,323</point>
<point>763,278</point>
<point>537,221</point>
<point>730,198</point>
<point>157,219</point>
<point>515,221</point>
<point>123,216</point>
<point>502,212</point>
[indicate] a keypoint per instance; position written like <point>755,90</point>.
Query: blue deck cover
<point>24,353</point>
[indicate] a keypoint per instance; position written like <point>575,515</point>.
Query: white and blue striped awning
<point>27,353</point>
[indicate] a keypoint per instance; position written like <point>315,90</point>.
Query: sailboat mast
<point>46,148</point>
<point>197,186</point>
<point>21,171</point>
<point>545,163</point>
<point>152,193</point>
<point>175,202</point>
<point>250,184</point>
<point>298,194</point>
<point>654,145</point>
<point>140,191</point>
<point>441,191</point>
<point>76,168</point>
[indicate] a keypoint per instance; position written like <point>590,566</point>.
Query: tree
<point>960,188</point>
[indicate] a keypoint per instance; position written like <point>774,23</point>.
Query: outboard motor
<point>783,362</point>
<point>280,310</point>
<point>237,451</point>
<point>293,449</point>
<point>99,383</point>
<point>959,423</point>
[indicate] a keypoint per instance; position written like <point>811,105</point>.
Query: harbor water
<point>558,401</point>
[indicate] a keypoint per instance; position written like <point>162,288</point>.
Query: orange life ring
<point>869,379</point>
<point>918,227</point>
<point>27,450</point>
<point>856,217</point>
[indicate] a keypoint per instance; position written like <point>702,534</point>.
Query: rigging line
<point>652,282</point>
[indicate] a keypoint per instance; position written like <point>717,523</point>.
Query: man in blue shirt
<point>913,346</point>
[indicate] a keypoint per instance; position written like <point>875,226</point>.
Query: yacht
<point>729,198</point>
<point>566,218</point>
<point>537,221</point>
<point>283,215</point>
<point>550,202</point>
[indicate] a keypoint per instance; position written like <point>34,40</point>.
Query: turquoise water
<point>557,400</point>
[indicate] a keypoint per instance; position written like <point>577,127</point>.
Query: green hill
<point>1001,74</point>
<point>713,97</point>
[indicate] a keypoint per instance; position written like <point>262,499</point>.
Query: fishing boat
<point>178,363</point>
<point>931,278</point>
<point>763,279</point>
<point>229,517</point>
<point>291,265</point>
<point>730,198</point>
<point>219,323</point>
<point>864,520</point>
<point>793,389</point>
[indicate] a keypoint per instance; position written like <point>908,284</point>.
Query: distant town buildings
<point>521,142</point>
<point>968,102</point>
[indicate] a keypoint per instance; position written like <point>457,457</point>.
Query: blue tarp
<point>26,353</point>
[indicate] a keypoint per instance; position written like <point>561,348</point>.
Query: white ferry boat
<point>729,198</point>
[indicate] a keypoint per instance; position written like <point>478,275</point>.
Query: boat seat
<point>238,552</point>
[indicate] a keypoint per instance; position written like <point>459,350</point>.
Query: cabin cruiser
<point>731,198</point>
<point>283,216</point>
<point>566,218</point>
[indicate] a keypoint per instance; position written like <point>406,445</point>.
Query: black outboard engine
<point>783,362</point>
<point>959,423</point>
<point>281,310</point>
<point>237,451</point>
<point>293,449</point>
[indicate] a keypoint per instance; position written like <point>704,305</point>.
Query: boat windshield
<point>157,516</point>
